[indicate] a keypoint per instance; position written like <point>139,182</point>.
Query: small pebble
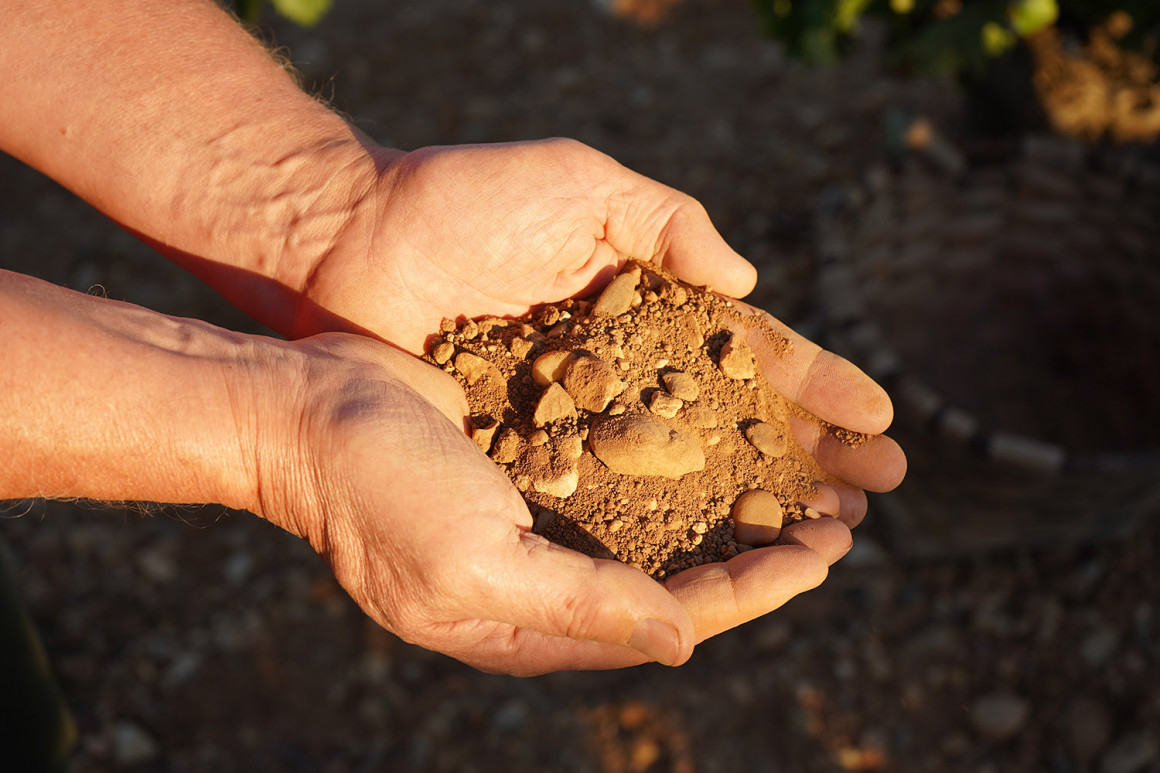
<point>757,517</point>
<point>506,447</point>
<point>555,404</point>
<point>474,368</point>
<point>617,297</point>
<point>737,360</point>
<point>681,385</point>
<point>549,367</point>
<point>664,404</point>
<point>443,352</point>
<point>591,382</point>
<point>484,433</point>
<point>520,347</point>
<point>635,444</point>
<point>767,439</point>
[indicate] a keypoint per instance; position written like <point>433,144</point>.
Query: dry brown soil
<point>637,425</point>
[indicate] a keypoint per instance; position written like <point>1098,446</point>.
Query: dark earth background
<point>209,640</point>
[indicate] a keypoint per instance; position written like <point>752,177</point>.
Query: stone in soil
<point>638,426</point>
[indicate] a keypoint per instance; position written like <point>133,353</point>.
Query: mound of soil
<point>637,426</point>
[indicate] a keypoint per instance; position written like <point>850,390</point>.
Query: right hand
<point>431,539</point>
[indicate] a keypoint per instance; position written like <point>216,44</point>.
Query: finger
<point>652,221</point>
<point>826,385</point>
<point>539,586</point>
<point>824,499</point>
<point>828,537</point>
<point>499,648</point>
<point>723,596</point>
<point>532,652</point>
<point>692,249</point>
<point>853,505</point>
<point>877,464</point>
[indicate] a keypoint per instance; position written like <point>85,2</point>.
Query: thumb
<point>723,596</point>
<point>673,230</point>
<point>561,593</point>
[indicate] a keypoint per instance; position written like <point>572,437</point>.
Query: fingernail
<point>656,639</point>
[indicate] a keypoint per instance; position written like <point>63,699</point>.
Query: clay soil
<point>638,425</point>
<point>208,640</point>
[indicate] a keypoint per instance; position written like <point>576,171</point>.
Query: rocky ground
<point>209,640</point>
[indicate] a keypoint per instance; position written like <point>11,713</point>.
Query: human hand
<point>493,230</point>
<point>475,230</point>
<point>435,544</point>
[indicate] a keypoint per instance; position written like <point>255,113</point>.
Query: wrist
<point>109,401</point>
<point>256,228</point>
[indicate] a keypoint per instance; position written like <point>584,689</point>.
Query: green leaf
<point>1030,16</point>
<point>847,14</point>
<point>304,13</point>
<point>997,39</point>
<point>248,10</point>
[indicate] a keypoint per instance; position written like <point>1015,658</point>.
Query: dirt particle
<point>757,517</point>
<point>737,360</point>
<point>443,352</point>
<point>681,385</point>
<point>555,404</point>
<point>634,444</point>
<point>664,404</point>
<point>767,439</point>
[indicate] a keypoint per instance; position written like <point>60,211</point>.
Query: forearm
<point>101,399</point>
<point>172,120</point>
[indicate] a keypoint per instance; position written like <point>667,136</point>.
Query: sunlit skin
<point>194,139</point>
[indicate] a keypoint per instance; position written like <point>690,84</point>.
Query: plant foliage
<point>304,13</point>
<point>953,36</point>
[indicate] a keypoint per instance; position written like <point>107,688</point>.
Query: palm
<point>435,544</point>
<point>494,230</point>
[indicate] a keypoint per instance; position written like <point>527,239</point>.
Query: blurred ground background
<point>209,640</point>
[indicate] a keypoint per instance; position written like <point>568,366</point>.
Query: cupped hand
<point>468,231</point>
<point>471,231</point>
<point>431,539</point>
